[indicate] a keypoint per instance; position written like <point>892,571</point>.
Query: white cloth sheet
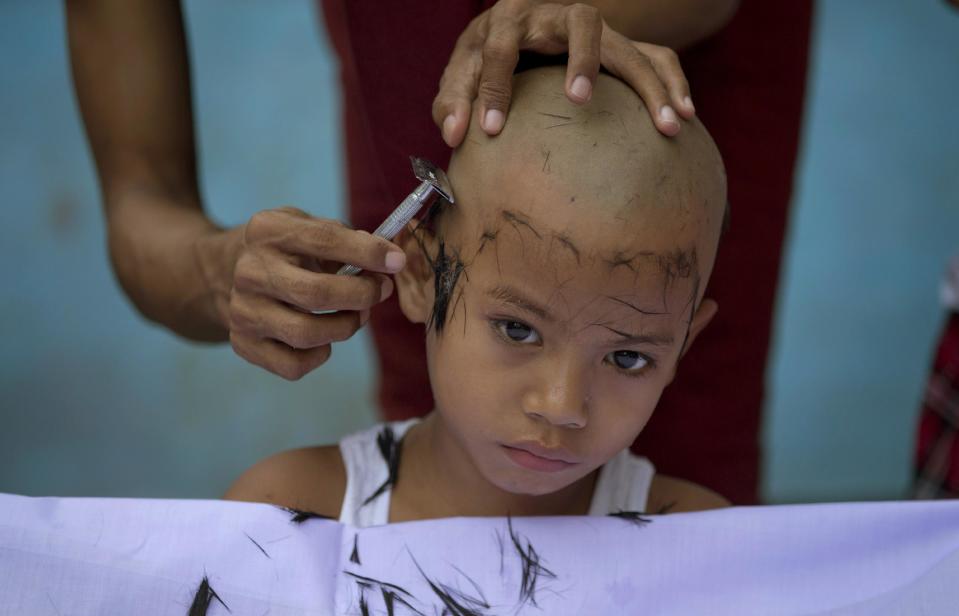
<point>62,556</point>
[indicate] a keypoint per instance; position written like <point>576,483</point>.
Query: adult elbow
<point>678,25</point>
<point>721,12</point>
<point>712,17</point>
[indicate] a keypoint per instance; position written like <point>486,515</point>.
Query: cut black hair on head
<point>447,267</point>
<point>446,273</point>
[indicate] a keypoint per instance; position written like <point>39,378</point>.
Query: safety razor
<point>433,184</point>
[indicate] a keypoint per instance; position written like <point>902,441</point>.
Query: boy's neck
<point>437,480</point>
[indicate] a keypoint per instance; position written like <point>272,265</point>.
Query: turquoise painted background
<point>94,401</point>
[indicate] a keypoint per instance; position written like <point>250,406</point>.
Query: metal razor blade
<point>433,183</point>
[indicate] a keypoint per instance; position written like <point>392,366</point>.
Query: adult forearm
<point>173,263</point>
<point>673,23</point>
<point>131,76</point>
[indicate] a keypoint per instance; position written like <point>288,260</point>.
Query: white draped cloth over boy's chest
<point>64,556</point>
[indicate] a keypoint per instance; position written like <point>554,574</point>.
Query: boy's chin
<point>530,483</point>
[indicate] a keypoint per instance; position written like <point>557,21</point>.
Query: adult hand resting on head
<point>480,69</point>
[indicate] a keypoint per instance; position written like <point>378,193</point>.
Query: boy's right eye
<point>516,331</point>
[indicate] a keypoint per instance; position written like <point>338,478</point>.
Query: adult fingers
<point>628,63</point>
<point>666,64</point>
<point>327,240</point>
<point>500,55</point>
<point>583,27</point>
<point>266,318</point>
<point>307,290</point>
<point>277,357</point>
<point>451,107</point>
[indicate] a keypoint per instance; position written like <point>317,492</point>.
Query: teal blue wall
<point>875,217</point>
<point>95,401</point>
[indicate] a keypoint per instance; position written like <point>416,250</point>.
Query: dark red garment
<point>937,443</point>
<point>748,85</point>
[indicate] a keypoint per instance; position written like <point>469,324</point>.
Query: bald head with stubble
<point>597,181</point>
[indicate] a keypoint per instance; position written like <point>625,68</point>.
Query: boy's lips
<point>534,456</point>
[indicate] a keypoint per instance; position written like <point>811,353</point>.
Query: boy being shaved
<point>558,297</point>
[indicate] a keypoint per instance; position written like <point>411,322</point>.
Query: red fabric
<point>937,443</point>
<point>747,83</point>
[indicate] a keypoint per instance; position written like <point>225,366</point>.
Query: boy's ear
<point>704,314</point>
<point>414,284</point>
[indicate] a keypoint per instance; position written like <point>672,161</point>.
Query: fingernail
<point>493,121</point>
<point>395,260</point>
<point>387,289</point>
<point>448,127</point>
<point>581,88</point>
<point>689,103</point>
<point>667,114</point>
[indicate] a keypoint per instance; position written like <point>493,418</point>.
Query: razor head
<point>426,171</point>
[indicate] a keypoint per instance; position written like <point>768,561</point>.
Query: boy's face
<point>563,328</point>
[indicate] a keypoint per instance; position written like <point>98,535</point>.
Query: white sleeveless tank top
<point>623,483</point>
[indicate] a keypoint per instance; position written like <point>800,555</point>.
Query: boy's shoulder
<point>673,495</point>
<point>310,478</point>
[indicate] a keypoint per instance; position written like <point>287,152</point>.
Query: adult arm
<point>131,76</point>
<point>673,23</point>
<point>255,284</point>
<point>602,32</point>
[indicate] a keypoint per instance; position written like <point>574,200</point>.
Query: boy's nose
<point>561,399</point>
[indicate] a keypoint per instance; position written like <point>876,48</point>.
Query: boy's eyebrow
<point>653,339</point>
<point>511,296</point>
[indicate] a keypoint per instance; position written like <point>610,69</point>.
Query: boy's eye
<point>627,361</point>
<point>518,332</point>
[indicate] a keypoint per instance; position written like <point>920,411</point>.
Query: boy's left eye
<point>627,361</point>
<point>516,331</point>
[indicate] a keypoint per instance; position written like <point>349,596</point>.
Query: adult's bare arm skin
<point>255,284</point>
<point>131,77</point>
<point>597,32</point>
<point>674,23</point>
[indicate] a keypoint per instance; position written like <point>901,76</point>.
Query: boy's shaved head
<point>606,156</point>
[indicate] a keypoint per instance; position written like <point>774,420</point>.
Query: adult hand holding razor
<point>287,304</point>
<point>478,76</point>
<point>300,283</point>
<point>255,284</point>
